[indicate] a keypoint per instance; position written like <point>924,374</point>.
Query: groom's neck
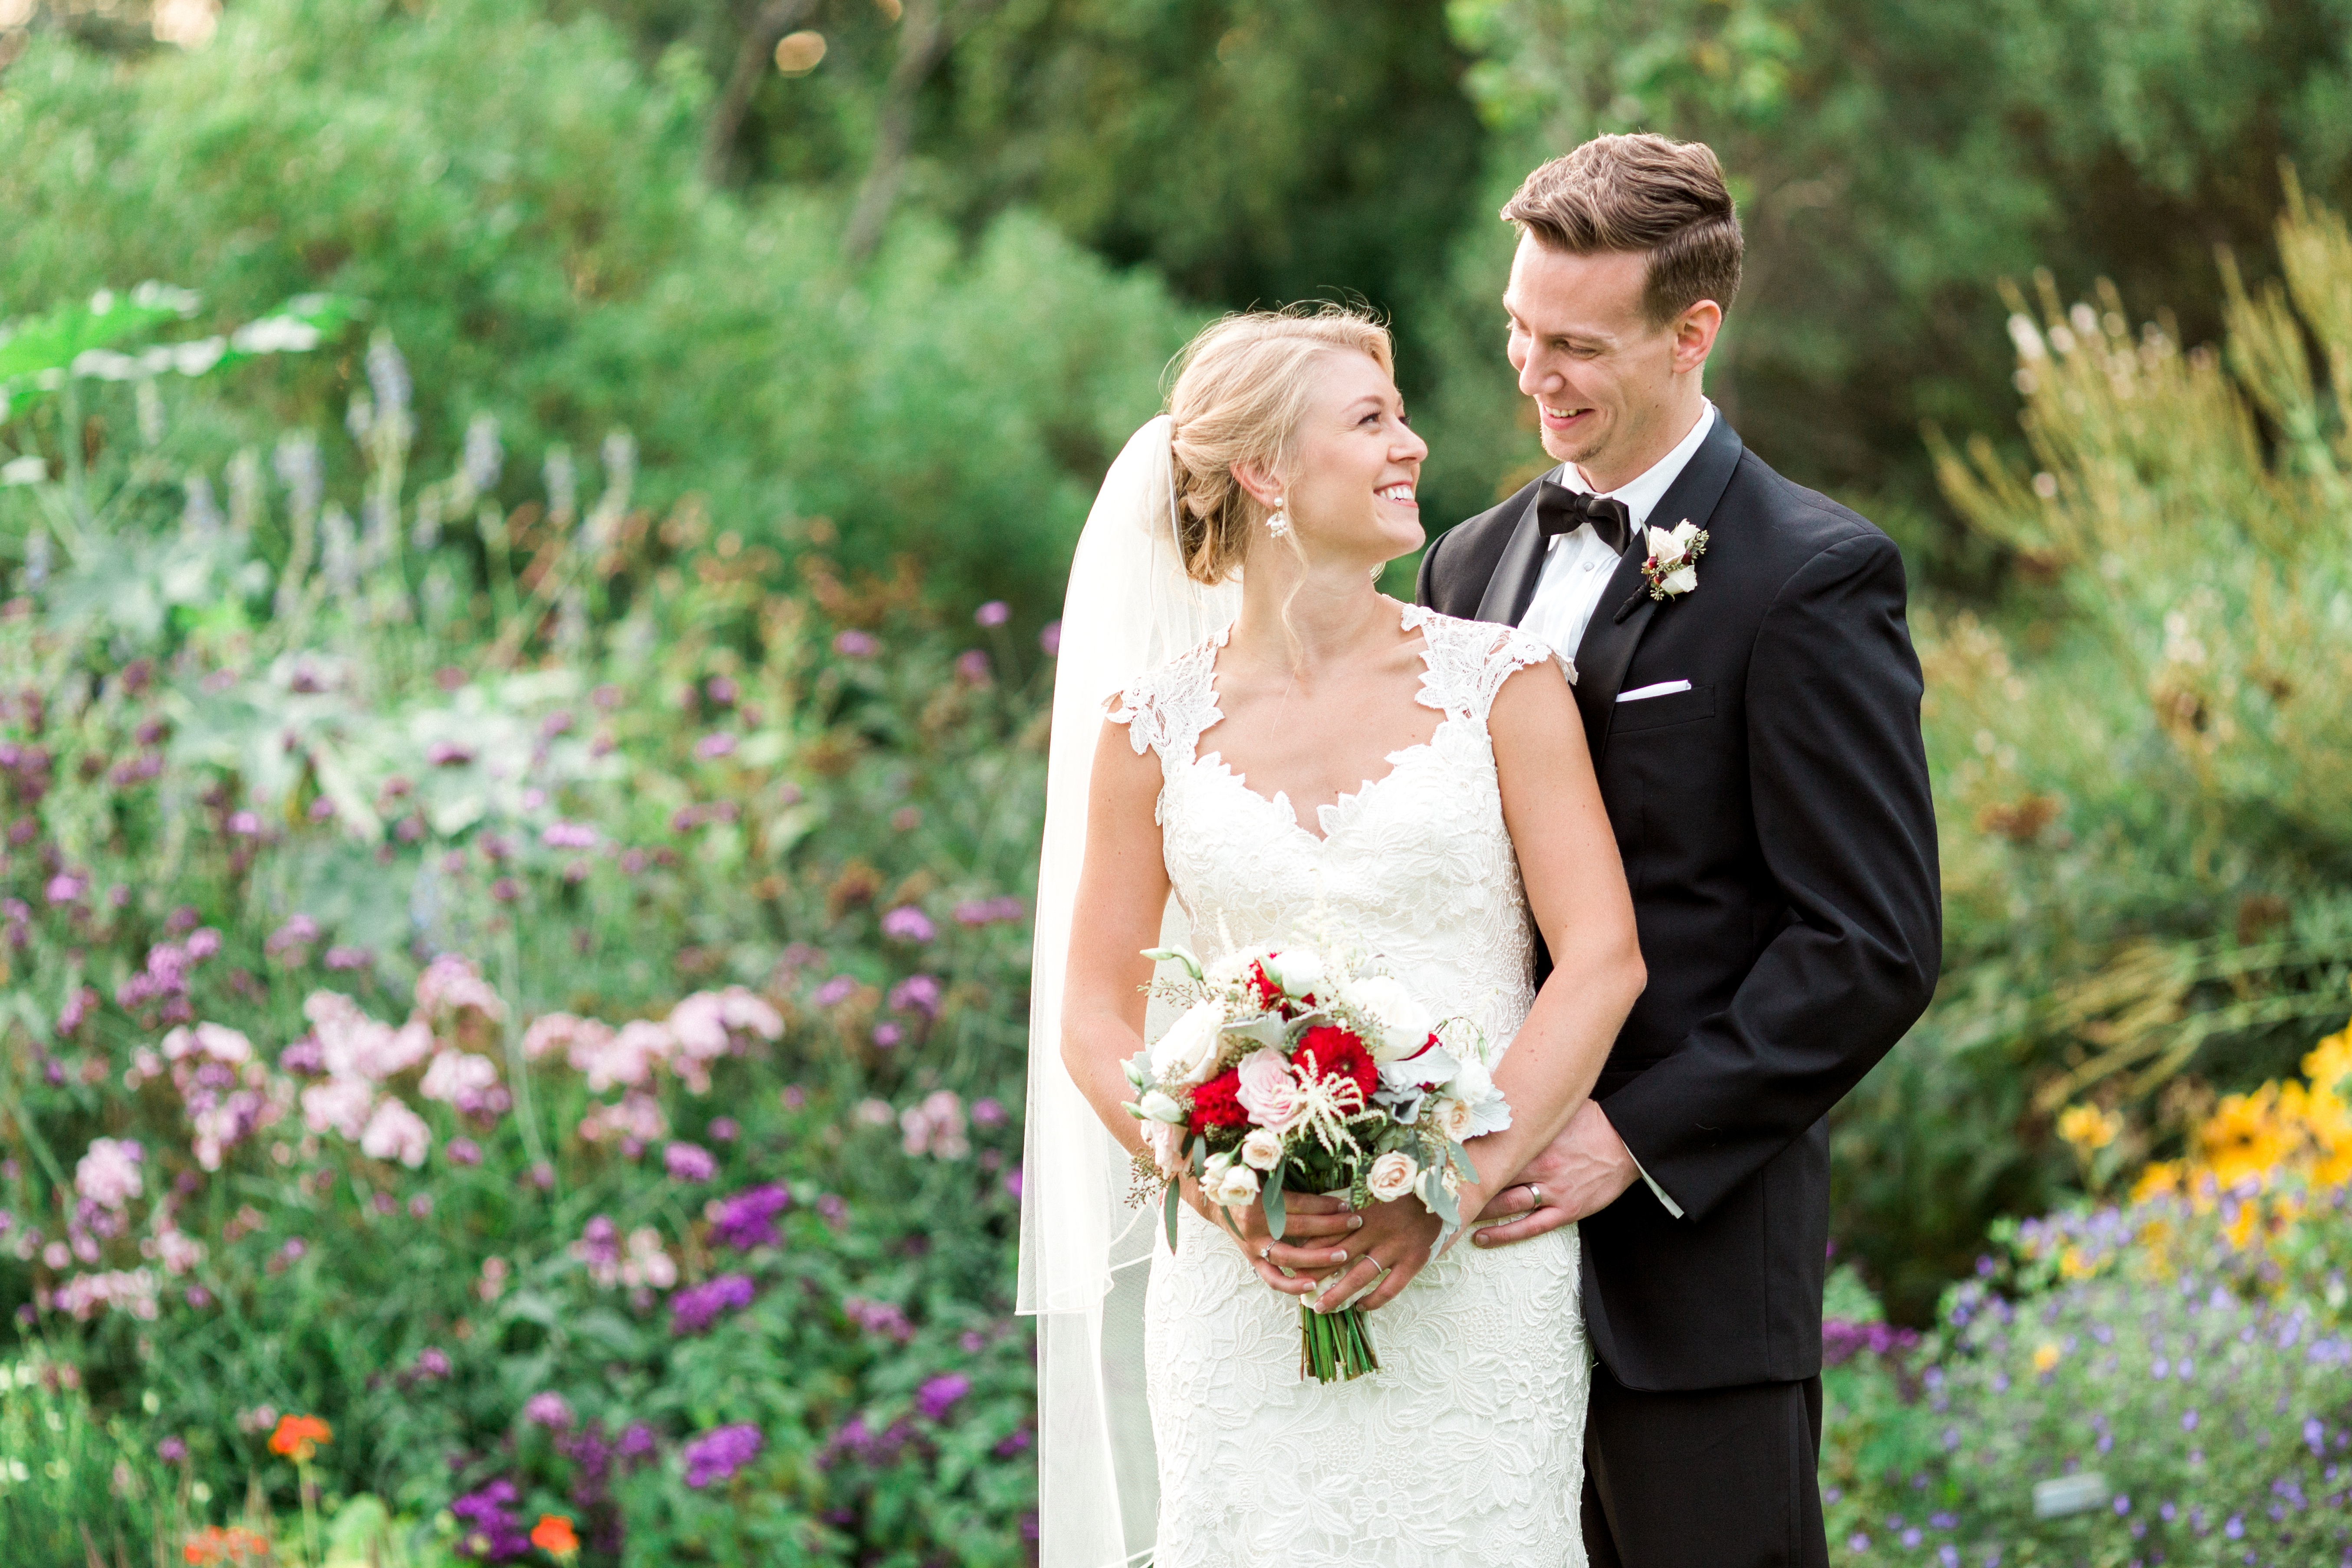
<point>1621,463</point>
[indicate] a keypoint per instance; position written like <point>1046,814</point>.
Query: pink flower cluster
<point>87,1295</point>
<point>109,1175</point>
<point>164,980</point>
<point>639,1264</point>
<point>699,1030</point>
<point>935,1126</point>
<point>228,1095</point>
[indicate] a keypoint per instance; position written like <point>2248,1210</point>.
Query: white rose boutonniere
<point>1671,569</point>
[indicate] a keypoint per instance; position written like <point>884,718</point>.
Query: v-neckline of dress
<point>1333,815</point>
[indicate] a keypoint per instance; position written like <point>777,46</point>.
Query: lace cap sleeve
<point>1469,660</point>
<point>1165,709</point>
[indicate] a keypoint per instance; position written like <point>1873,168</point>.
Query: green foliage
<point>517,201</point>
<point>524,782</point>
<point>2146,853</point>
<point>64,1470</point>
<point>1894,158</point>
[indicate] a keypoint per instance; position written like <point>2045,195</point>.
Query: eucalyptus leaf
<point>1270,1198</point>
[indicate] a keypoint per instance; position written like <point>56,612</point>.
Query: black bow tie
<point>1560,510</point>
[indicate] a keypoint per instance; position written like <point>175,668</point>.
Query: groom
<point>1752,710</point>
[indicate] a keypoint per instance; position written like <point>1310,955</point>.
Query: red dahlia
<point>1262,990</point>
<point>1217,1103</point>
<point>1329,1049</point>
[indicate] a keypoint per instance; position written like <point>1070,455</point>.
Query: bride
<point>1244,721</point>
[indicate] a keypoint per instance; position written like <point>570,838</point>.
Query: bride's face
<point>1354,493</point>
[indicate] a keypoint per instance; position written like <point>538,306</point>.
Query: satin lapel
<point>1625,607</point>
<point>1513,585</point>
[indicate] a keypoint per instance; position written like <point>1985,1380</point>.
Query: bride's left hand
<point>1399,1237</point>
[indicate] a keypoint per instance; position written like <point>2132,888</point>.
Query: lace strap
<point>1166,709</point>
<point>1467,661</point>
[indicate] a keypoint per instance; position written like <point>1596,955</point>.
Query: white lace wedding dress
<point>1466,1450</point>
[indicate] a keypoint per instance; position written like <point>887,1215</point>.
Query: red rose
<point>1265,991</point>
<point>1328,1050</point>
<point>1217,1103</point>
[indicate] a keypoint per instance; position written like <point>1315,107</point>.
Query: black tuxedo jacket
<point>1778,834</point>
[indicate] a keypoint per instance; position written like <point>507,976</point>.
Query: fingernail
<point>1354,1222</point>
<point>1339,1258</point>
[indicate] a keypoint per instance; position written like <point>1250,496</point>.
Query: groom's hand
<point>1584,1170</point>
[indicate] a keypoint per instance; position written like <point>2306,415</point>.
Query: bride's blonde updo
<point>1241,390</point>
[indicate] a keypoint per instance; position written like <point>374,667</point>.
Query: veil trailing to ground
<point>1129,608</point>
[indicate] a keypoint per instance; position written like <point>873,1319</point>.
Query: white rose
<point>1392,1175</point>
<point>1403,1025</point>
<point>1682,580</point>
<point>1299,971</point>
<point>1165,1142</point>
<point>1475,1086</point>
<point>1260,1150</point>
<point>1455,1118</point>
<point>1158,1107</point>
<point>1233,1186</point>
<point>1187,1053</point>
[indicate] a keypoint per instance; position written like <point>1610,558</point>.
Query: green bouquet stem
<point>1334,1347</point>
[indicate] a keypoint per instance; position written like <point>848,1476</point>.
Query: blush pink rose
<point>1269,1090</point>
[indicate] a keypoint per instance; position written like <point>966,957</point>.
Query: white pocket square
<point>1663,689</point>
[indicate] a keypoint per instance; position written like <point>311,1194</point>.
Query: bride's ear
<point>1262,485</point>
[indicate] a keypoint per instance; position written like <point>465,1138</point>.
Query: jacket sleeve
<point>1838,778</point>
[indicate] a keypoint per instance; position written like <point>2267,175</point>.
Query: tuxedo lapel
<point>1513,585</point>
<point>1626,608</point>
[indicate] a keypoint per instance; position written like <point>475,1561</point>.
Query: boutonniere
<point>1671,569</point>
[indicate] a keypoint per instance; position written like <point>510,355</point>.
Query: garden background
<point>530,533</point>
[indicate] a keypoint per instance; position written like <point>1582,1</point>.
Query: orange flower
<point>553,1535</point>
<point>299,1437</point>
<point>217,1547</point>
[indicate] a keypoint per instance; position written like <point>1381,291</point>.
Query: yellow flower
<point>2045,1356</point>
<point>2241,1229</point>
<point>2243,1139</point>
<point>2074,1265</point>
<point>2088,1127</point>
<point>2161,1180</point>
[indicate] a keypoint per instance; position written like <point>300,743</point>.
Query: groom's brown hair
<point>1650,195</point>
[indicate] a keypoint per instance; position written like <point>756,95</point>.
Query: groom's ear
<point>1695,331</point>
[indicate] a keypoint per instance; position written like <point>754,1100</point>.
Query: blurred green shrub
<point>518,201</point>
<point>506,980</point>
<point>2140,762</point>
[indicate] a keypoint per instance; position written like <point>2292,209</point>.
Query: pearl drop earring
<point>1277,521</point>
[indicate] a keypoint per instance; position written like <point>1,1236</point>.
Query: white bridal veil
<point>1129,608</point>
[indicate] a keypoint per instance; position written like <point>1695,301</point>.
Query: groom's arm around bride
<point>1751,703</point>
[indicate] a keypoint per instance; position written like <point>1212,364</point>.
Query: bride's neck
<point>1305,618</point>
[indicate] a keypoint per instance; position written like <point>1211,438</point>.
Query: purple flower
<point>971,667</point>
<point>715,746</point>
<point>918,994</point>
<point>907,923</point>
<point>345,958</point>
<point>719,689</point>
<point>636,1441</point>
<point>987,1113</point>
<point>323,810</point>
<point>568,835</point>
<point>717,1455</point>
<point>1014,1444</point>
<point>855,644</point>
<point>172,1450</point>
<point>432,1362</point>
<point>994,613</point>
<point>447,754</point>
<point>724,1129</point>
<point>695,1309</point>
<point>879,1317</point>
<point>1013,1182</point>
<point>1050,639</point>
<point>887,1036</point>
<point>987,911</point>
<point>689,1163</point>
<point>939,1395</point>
<point>548,1409</point>
<point>833,992</point>
<point>748,1218</point>
<point>492,1533</point>
<point>461,1151</point>
<point>202,944</point>
<point>65,888</point>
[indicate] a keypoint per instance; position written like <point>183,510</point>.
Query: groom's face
<point>1600,373</point>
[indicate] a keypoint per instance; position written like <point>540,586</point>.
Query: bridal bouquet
<point>1295,1069</point>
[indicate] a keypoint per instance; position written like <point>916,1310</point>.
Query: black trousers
<point>1724,1477</point>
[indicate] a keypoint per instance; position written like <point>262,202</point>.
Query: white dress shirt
<point>1578,563</point>
<point>1577,567</point>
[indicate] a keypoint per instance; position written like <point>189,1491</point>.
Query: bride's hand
<point>1316,1237</point>
<point>1399,1237</point>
